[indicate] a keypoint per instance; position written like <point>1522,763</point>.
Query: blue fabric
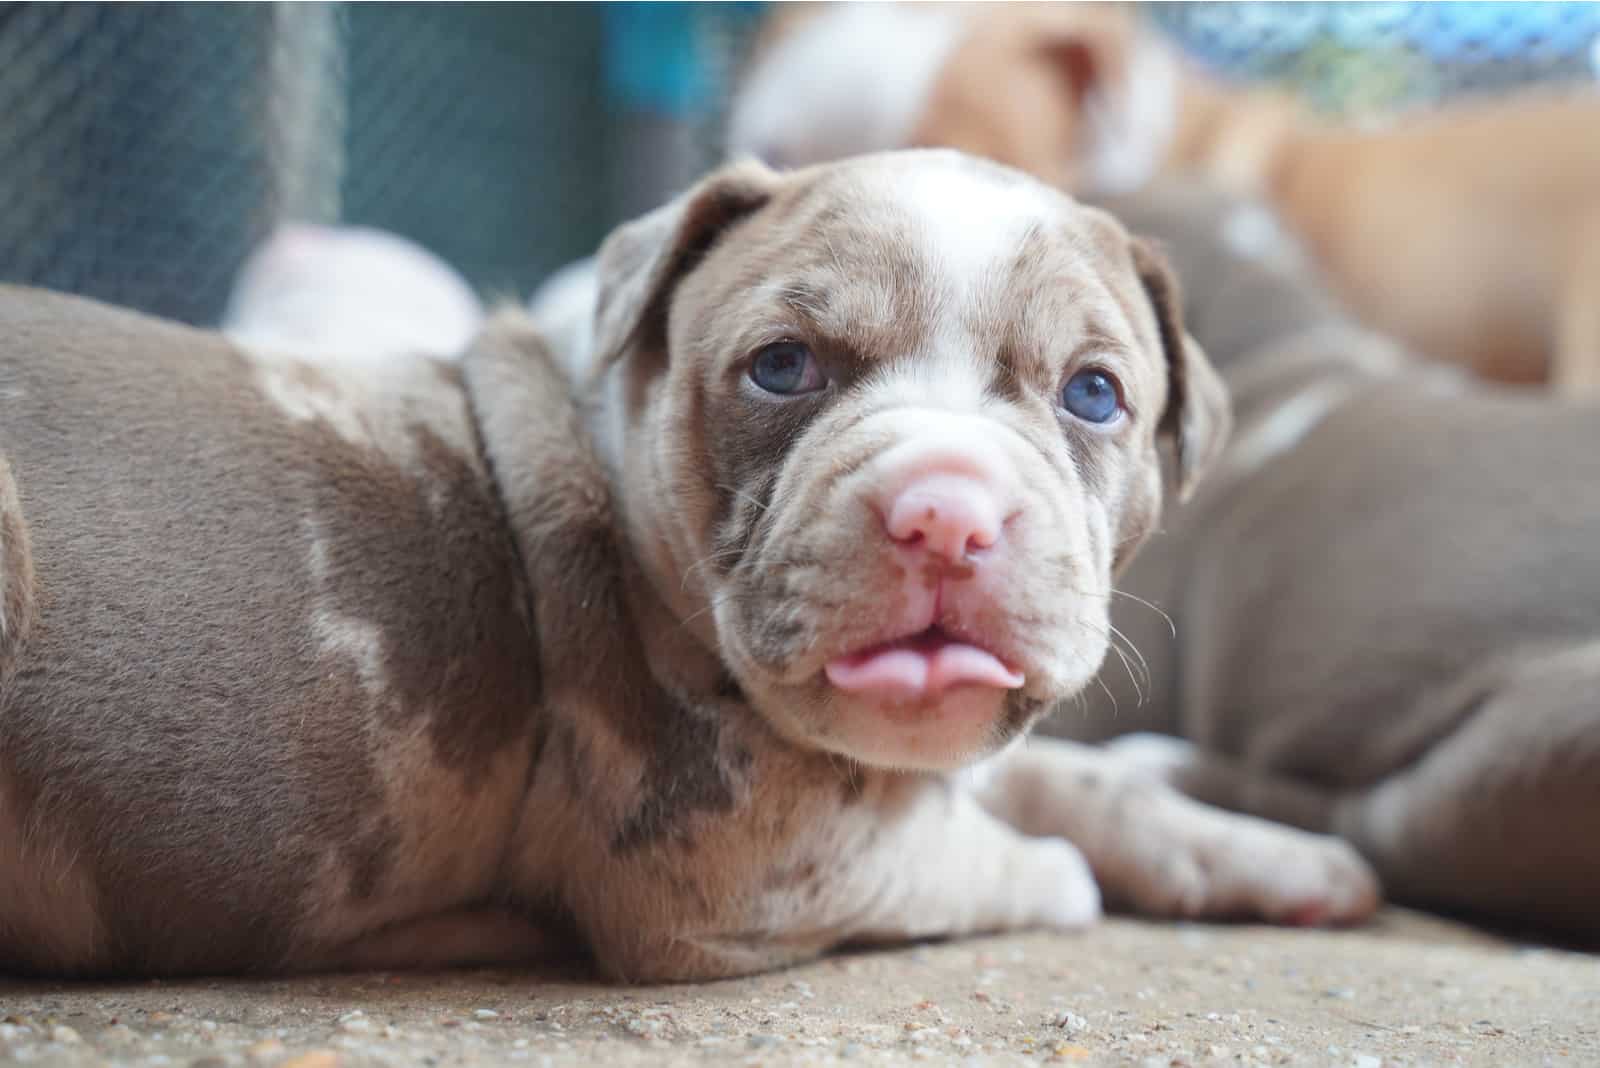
<point>1504,30</point>
<point>655,54</point>
<point>1254,35</point>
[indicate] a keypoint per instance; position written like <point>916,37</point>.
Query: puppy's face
<point>890,430</point>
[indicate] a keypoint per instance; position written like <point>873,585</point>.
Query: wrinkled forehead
<point>917,254</point>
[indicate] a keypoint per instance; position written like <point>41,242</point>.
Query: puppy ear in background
<point>642,261</point>
<point>1122,81</point>
<point>1199,414</point>
<point>349,294</point>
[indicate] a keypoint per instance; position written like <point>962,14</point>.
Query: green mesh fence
<point>144,149</point>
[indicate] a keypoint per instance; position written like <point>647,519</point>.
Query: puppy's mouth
<point>920,668</point>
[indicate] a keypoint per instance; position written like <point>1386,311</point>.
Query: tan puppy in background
<point>1472,234</point>
<point>313,664</point>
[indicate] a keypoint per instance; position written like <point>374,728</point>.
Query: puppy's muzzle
<point>943,507</point>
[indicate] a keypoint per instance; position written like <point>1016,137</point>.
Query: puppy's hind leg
<point>1501,818</point>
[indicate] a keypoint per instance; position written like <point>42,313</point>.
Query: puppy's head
<point>891,427</point>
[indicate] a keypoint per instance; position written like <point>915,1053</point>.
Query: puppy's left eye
<point>787,368</point>
<point>1092,395</point>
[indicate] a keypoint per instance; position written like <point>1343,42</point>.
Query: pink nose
<point>947,515</point>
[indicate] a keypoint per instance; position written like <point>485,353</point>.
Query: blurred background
<point>146,149</point>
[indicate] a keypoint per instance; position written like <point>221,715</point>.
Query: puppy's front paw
<point>1055,885</point>
<point>1191,861</point>
<point>1311,881</point>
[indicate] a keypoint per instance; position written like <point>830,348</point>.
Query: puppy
<point>1470,233</point>
<point>317,665</point>
<point>1385,601</point>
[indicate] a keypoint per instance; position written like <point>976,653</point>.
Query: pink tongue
<point>901,673</point>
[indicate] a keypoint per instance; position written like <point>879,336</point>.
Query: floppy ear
<point>1198,414</point>
<point>642,261</point>
<point>1092,46</point>
<point>1091,58</point>
<point>1120,80</point>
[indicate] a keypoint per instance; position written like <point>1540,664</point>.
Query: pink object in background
<point>350,294</point>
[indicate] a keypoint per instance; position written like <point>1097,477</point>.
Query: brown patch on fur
<point>679,780</point>
<point>475,684</point>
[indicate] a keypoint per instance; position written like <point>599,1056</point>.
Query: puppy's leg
<point>1156,851</point>
<point>951,868</point>
<point>1575,358</point>
<point>1499,818</point>
<point>922,861</point>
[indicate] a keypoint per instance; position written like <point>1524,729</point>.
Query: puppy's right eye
<point>787,368</point>
<point>1093,396</point>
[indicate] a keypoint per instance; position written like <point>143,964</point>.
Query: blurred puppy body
<point>1387,601</point>
<point>1470,233</point>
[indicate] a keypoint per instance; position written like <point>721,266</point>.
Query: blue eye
<point>787,368</point>
<point>1092,396</point>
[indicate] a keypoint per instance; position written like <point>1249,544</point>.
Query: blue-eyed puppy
<point>381,663</point>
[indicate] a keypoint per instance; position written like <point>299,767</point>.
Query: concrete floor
<point>1408,990</point>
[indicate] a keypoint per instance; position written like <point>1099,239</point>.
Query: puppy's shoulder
<point>512,353</point>
<point>533,433</point>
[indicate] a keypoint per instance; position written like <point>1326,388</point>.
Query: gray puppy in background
<point>1385,606</point>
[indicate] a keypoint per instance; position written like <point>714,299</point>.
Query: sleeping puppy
<point>1386,598</point>
<point>312,666</point>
